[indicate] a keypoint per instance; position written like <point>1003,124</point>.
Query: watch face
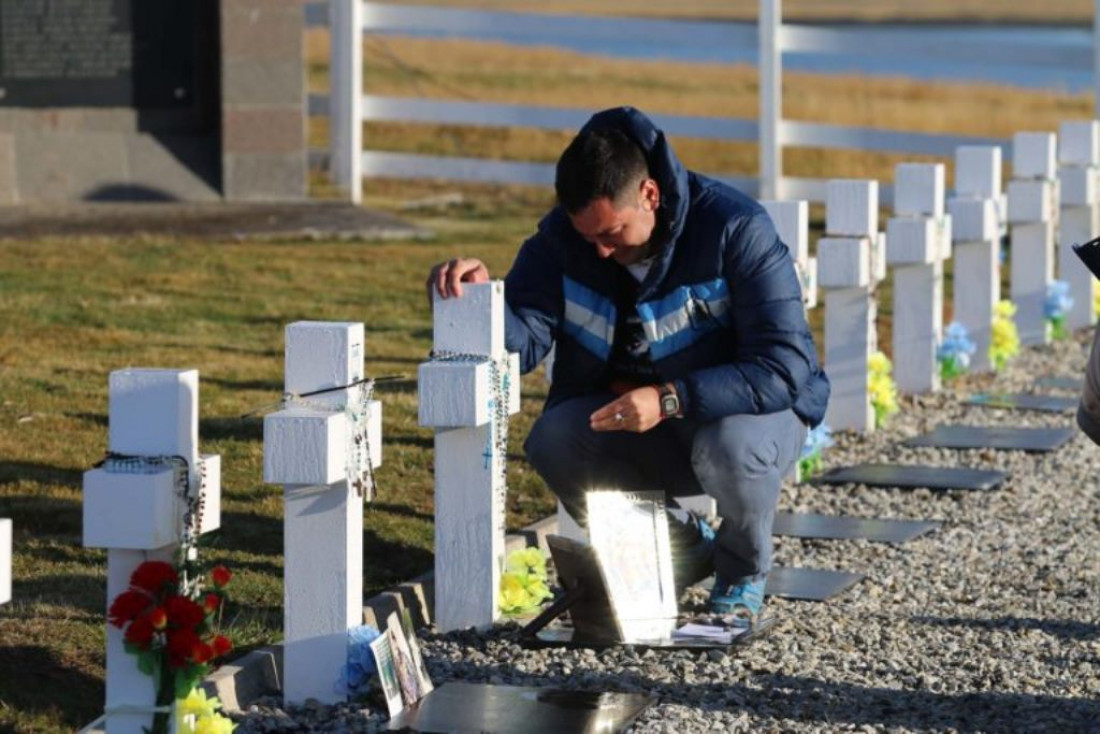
<point>670,405</point>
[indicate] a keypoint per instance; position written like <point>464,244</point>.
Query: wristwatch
<point>670,401</point>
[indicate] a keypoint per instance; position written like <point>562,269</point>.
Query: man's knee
<point>746,447</point>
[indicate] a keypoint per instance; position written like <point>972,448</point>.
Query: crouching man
<point>683,359</point>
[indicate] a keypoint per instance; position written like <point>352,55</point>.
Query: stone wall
<point>242,138</point>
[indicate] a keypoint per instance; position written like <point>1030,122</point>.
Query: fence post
<point>771,98</point>
<point>466,393</point>
<point>1079,180</point>
<point>848,265</point>
<point>346,97</point>
<point>1032,216</point>
<point>976,233</point>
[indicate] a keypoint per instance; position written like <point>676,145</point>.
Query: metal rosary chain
<point>192,496</point>
<point>359,467</point>
<point>500,389</point>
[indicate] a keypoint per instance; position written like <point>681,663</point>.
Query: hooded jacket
<point>721,306</point>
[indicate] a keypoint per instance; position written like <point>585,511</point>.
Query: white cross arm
<point>5,561</point>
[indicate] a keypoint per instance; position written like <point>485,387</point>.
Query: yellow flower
<point>880,364</point>
<point>197,704</point>
<point>527,561</point>
<point>1096,301</point>
<point>1004,340</point>
<point>214,724</point>
<point>513,595</point>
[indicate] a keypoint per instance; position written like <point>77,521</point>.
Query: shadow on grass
<point>401,510</point>
<point>807,699</point>
<point>13,472</point>
<point>233,428</point>
<point>37,515</point>
<point>69,590</point>
<point>1067,629</point>
<point>421,442</point>
<point>259,534</point>
<point>387,563</point>
<point>266,385</point>
<point>33,680</point>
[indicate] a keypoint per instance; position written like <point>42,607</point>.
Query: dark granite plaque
<point>98,53</point>
<point>480,707</point>
<point>1023,401</point>
<point>913,477</point>
<point>832,527</point>
<point>803,584</point>
<point>1076,384</point>
<point>1004,439</point>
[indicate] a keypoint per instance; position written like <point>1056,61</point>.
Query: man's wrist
<point>669,401</point>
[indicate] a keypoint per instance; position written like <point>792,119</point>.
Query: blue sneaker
<point>740,603</point>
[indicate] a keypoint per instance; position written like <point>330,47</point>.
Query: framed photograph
<point>629,532</point>
<point>387,673</point>
<point>407,677</point>
<point>424,679</point>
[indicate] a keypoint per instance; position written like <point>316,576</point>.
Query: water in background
<point>710,42</point>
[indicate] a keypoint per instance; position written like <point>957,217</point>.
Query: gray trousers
<point>740,461</point>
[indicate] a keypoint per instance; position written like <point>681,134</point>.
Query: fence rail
<point>771,131</point>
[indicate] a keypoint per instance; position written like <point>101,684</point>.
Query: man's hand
<point>637,411</point>
<point>447,278</point>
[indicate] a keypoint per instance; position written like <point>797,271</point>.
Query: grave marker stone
<point>322,447</point>
<point>918,239</point>
<point>466,393</point>
<point>975,232</point>
<point>849,262</point>
<point>134,507</point>
<point>1033,217</point>
<point>792,224</point>
<point>1079,178</point>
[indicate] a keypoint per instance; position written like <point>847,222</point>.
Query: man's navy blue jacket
<point>721,306</point>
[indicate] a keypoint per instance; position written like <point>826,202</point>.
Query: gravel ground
<point>990,624</point>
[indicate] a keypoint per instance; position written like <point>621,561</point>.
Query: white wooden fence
<point>771,38</point>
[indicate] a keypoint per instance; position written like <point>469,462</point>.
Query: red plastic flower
<point>220,576</point>
<point>202,653</point>
<point>140,632</point>
<point>184,613</point>
<point>181,644</point>
<point>158,618</point>
<point>153,576</point>
<point>211,603</point>
<point>127,606</point>
<point>222,645</point>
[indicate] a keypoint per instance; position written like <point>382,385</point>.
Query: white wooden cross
<point>1033,217</point>
<point>5,561</point>
<point>322,447</point>
<point>136,510</point>
<point>976,231</point>
<point>1079,178</point>
<point>792,224</point>
<point>466,394</point>
<point>918,240</point>
<point>850,261</point>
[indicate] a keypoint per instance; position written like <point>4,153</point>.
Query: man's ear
<point>651,195</point>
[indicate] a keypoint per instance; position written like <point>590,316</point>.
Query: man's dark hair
<point>598,164</point>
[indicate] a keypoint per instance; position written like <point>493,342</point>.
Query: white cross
<point>850,261</point>
<point>1079,177</point>
<point>467,393</point>
<point>976,235</point>
<point>918,240</point>
<point>1033,217</point>
<point>138,517</point>
<point>315,448</point>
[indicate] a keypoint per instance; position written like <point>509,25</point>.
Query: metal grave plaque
<point>480,707</point>
<point>987,437</point>
<point>98,53</point>
<point>832,527</point>
<point>803,584</point>
<point>1024,401</point>
<point>1076,384</point>
<point>901,476</point>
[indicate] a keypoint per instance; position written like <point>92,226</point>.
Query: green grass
<point>73,310</point>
